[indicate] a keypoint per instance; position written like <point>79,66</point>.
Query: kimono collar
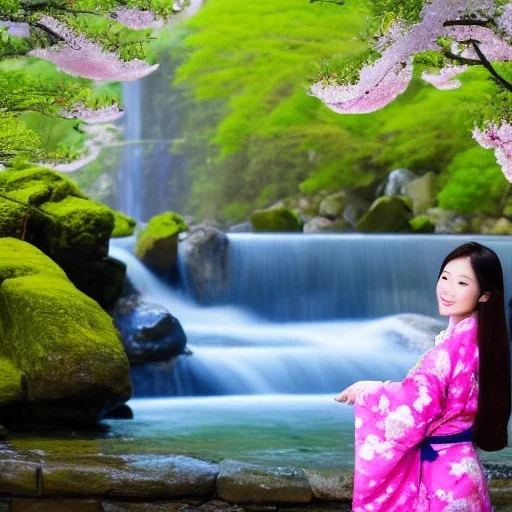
<point>463,325</point>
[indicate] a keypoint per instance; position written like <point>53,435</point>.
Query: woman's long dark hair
<point>494,399</point>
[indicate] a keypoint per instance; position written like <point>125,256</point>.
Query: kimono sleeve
<point>391,419</point>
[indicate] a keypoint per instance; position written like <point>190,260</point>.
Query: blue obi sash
<point>429,454</point>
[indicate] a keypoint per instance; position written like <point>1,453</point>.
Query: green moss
<point>386,215</point>
<point>422,224</point>
<point>63,342</point>
<point>123,225</point>
<point>160,227</point>
<point>276,220</point>
<point>10,382</point>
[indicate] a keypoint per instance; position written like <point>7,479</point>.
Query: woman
<point>414,448</point>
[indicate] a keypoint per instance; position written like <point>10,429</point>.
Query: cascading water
<point>338,326</point>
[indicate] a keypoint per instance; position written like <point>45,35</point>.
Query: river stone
<point>396,182</point>
<point>60,505</point>
<point>169,506</point>
<point>66,359</point>
<point>204,252</point>
<point>386,215</point>
<point>501,226</point>
<point>157,243</point>
<point>422,191</point>
<point>276,220</point>
<point>331,485</point>
<point>19,477</point>
<point>239,482</point>
<point>323,225</point>
<point>333,205</point>
<point>447,221</point>
<point>353,212</point>
<point>131,477</point>
<point>148,331</point>
<point>422,224</point>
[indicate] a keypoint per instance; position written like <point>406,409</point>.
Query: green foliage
<point>473,183</point>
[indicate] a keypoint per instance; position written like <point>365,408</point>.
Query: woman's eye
<point>465,284</point>
<point>444,277</point>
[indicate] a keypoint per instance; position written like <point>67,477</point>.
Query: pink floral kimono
<point>438,397</point>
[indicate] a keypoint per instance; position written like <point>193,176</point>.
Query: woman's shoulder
<point>466,325</point>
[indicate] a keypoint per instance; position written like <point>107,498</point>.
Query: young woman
<point>415,439</point>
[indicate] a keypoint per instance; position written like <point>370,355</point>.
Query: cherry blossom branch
<point>465,22</point>
<point>487,65</point>
<point>462,60</point>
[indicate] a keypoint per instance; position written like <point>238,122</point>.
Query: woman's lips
<point>446,302</point>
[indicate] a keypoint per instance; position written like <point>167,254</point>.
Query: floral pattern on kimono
<point>438,397</point>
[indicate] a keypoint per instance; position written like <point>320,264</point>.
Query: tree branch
<point>55,38</point>
<point>487,65</point>
<point>462,60</point>
<point>466,22</point>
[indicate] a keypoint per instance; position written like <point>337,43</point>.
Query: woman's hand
<point>348,395</point>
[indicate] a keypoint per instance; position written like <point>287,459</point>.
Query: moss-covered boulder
<point>448,221</point>
<point>422,192</point>
<point>387,215</point>
<point>157,243</point>
<point>333,205</point>
<point>47,210</point>
<point>123,225</point>
<point>422,224</point>
<point>276,220</point>
<point>60,355</point>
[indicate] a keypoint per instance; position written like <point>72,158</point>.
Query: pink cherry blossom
<point>444,79</point>
<point>499,138</point>
<point>16,29</point>
<point>77,55</point>
<point>136,19</point>
<point>492,46</point>
<point>91,115</point>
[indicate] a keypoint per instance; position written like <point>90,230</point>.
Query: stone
<point>204,252</point>
<point>19,477</point>
<point>60,355</point>
<point>42,207</point>
<point>331,485</point>
<point>119,506</point>
<point>422,224</point>
<point>239,482</point>
<point>157,243</point>
<point>422,191</point>
<point>502,226</point>
<point>386,215</point>
<point>447,221</point>
<point>148,476</point>
<point>322,225</point>
<point>396,182</point>
<point>333,205</point>
<point>123,225</point>
<point>148,331</point>
<point>276,220</point>
<point>60,505</point>
<point>353,212</point>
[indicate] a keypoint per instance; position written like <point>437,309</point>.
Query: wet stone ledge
<point>31,482</point>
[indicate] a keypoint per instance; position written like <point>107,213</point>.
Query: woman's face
<point>457,290</point>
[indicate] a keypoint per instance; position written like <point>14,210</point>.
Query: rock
<point>422,192</point>
<point>239,482</point>
<point>321,224</point>
<point>149,332</point>
<point>19,477</point>
<point>57,505</point>
<point>276,220</point>
<point>43,208</point>
<point>4,434</point>
<point>353,212</point>
<point>333,205</point>
<point>123,225</point>
<point>422,224</point>
<point>60,355</point>
<point>447,221</point>
<point>332,485</point>
<point>157,243</point>
<point>123,412</point>
<point>146,476</point>
<point>386,215</point>
<point>205,252</point>
<point>501,226</point>
<point>396,182</point>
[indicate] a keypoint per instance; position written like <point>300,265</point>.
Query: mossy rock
<point>422,224</point>
<point>157,244</point>
<point>387,215</point>
<point>47,210</point>
<point>123,225</point>
<point>422,192</point>
<point>276,220</point>
<point>60,354</point>
<point>333,205</point>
